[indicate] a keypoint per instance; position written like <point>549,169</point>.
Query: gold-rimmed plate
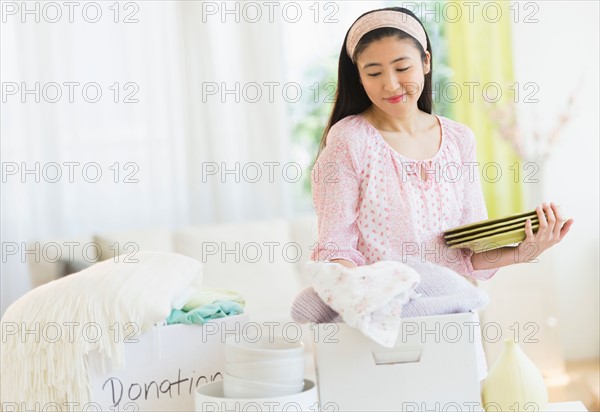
<point>494,241</point>
<point>498,227</point>
<point>488,222</point>
<point>487,233</point>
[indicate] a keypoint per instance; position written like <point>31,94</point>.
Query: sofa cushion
<point>59,257</point>
<point>128,243</point>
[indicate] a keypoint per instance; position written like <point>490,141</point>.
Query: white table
<point>566,407</point>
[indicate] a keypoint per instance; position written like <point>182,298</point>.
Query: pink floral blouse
<point>372,203</point>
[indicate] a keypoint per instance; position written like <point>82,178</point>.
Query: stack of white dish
<point>210,397</point>
<point>267,368</point>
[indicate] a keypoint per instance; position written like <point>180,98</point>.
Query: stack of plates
<point>492,233</point>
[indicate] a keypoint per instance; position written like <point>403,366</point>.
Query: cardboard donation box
<point>433,366</point>
<point>164,367</point>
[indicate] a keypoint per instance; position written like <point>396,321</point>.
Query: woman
<point>379,183</point>
<point>387,194</point>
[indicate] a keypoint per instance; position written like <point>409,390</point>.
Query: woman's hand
<point>349,264</point>
<point>550,232</point>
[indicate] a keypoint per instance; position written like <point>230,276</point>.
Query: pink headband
<point>384,18</point>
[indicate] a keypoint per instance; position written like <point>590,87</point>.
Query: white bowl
<point>210,397</point>
<point>237,349</point>
<point>234,387</point>
<point>284,371</point>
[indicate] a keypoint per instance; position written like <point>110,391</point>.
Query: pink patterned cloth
<point>373,205</point>
<point>370,297</point>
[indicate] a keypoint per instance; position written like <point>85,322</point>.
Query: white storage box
<point>210,398</point>
<point>163,369</point>
<point>433,366</point>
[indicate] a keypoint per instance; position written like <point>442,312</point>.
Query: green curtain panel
<point>480,56</point>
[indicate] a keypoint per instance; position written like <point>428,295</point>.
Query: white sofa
<point>260,259</point>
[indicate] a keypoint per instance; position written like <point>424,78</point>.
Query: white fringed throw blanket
<point>48,333</point>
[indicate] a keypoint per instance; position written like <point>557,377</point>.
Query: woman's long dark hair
<point>350,97</point>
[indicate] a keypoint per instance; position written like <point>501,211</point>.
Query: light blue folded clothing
<point>198,316</point>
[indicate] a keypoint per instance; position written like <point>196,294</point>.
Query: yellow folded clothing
<point>206,296</point>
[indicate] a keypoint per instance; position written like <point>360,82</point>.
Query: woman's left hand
<point>550,232</point>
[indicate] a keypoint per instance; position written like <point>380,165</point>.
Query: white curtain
<point>166,152</point>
